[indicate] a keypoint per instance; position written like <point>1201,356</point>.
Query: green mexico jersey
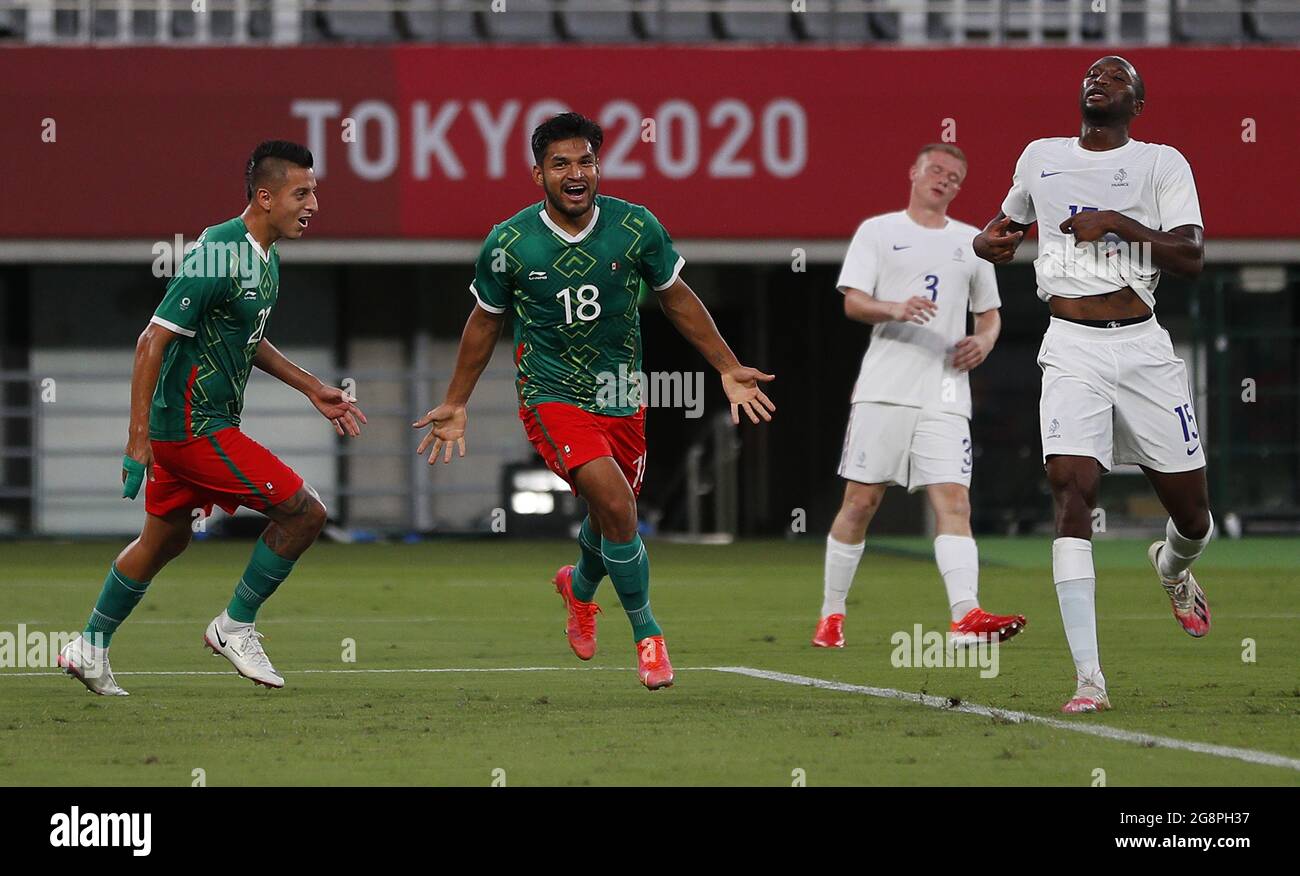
<point>219,303</point>
<point>577,328</point>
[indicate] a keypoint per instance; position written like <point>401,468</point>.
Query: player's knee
<point>174,544</point>
<point>1194,522</point>
<point>617,518</point>
<point>860,506</point>
<point>314,518</point>
<point>952,504</point>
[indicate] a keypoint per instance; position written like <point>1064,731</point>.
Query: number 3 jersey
<point>219,302</point>
<point>574,297</point>
<point>1056,178</point>
<point>892,258</point>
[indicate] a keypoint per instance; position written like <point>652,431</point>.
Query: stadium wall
<point>430,142</point>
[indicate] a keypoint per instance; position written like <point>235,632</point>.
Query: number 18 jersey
<point>574,297</point>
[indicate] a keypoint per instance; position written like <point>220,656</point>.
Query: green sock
<point>629,569</point>
<point>119,595</point>
<point>266,570</point>
<point>590,570</point>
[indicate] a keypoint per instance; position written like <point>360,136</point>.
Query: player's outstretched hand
<point>917,309</point>
<point>970,351</point>
<point>741,386</point>
<point>1088,225</point>
<point>339,408</point>
<point>448,423</point>
<point>995,244</point>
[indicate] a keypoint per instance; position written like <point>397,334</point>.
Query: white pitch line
<point>1264,758</point>
<point>1248,755</point>
<point>55,673</point>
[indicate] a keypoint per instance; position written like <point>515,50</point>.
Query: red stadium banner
<point>431,142</point>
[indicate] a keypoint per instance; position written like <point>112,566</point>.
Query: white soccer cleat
<point>243,648</point>
<point>1186,598</point>
<point>89,665</point>
<point>1089,697</point>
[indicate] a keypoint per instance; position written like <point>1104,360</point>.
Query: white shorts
<point>1119,395</point>
<point>911,447</point>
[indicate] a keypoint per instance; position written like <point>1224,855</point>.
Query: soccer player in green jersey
<point>187,391</point>
<point>571,269</point>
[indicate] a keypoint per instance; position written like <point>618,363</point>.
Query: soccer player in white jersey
<point>1112,214</point>
<point>913,277</point>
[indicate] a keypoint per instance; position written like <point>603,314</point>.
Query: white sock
<point>1076,586</point>
<point>227,624</point>
<point>95,650</point>
<point>1179,552</point>
<point>959,563</point>
<point>841,564</point>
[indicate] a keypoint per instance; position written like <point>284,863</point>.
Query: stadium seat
<point>221,24</point>
<point>1276,21</point>
<point>353,24</point>
<point>442,21</point>
<point>600,21</point>
<point>741,20</point>
<point>671,24</point>
<point>1195,22</point>
<point>1054,23</point>
<point>823,23</point>
<point>12,22</point>
<point>524,21</point>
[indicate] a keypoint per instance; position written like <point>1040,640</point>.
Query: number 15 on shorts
<point>1188,422</point>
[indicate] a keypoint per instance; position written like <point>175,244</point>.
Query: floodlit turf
<point>487,604</point>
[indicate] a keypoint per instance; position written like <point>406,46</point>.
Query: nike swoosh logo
<point>896,246</point>
<point>1193,450</point>
<point>220,641</point>
<point>1045,173</point>
<point>537,275</point>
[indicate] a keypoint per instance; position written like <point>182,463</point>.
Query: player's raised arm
<point>687,313</point>
<point>334,404</point>
<point>138,456</point>
<point>1000,239</point>
<point>448,419</point>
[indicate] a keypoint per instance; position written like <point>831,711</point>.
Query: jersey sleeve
<point>192,292</point>
<point>660,265</point>
<point>861,262</point>
<point>984,288</point>
<point>1018,205</point>
<point>1175,189</point>
<point>491,284</point>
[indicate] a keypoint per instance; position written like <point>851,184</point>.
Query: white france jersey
<point>1056,178</point>
<point>893,258</point>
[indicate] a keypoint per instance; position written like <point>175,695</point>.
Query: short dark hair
<point>267,163</point>
<point>566,126</point>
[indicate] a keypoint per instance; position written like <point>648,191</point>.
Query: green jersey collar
<point>564,235</point>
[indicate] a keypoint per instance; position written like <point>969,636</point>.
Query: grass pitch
<point>486,605</point>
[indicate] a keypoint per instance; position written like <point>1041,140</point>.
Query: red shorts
<point>566,436</point>
<point>225,468</point>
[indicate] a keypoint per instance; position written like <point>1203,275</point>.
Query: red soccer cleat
<point>1090,697</point>
<point>581,628</point>
<point>652,665</point>
<point>980,626</point>
<point>830,632</point>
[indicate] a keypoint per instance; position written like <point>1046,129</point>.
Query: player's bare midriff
<point>1121,304</point>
